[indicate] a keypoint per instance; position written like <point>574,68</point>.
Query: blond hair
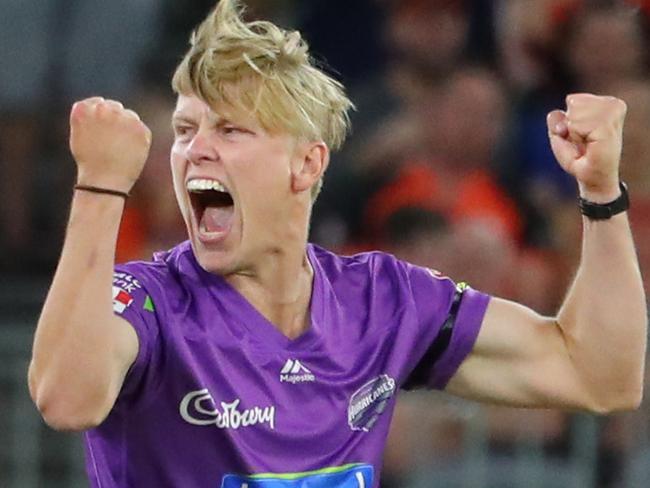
<point>260,68</point>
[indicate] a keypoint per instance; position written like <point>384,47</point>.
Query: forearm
<point>75,339</point>
<point>604,316</point>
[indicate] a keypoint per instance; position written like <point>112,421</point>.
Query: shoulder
<point>360,262</point>
<point>160,278</point>
<point>388,281</point>
<point>373,264</point>
<point>381,278</point>
<point>163,266</point>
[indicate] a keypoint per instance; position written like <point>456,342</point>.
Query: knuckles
<point>107,138</point>
<point>599,110</point>
<point>99,107</point>
<point>97,112</point>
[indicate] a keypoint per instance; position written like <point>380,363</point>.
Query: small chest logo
<point>294,372</point>
<point>369,401</point>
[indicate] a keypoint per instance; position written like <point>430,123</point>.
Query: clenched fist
<point>109,143</point>
<point>587,141</point>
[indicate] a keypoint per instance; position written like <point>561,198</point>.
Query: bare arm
<point>591,356</point>
<point>81,350</point>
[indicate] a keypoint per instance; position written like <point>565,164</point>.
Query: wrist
<point>95,217</point>
<point>602,194</point>
<point>95,211</point>
<point>102,191</point>
<point>110,182</point>
<point>88,198</point>
<point>605,210</point>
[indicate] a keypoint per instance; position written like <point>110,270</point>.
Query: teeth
<point>205,185</point>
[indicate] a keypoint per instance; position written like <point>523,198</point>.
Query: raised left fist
<point>587,141</point>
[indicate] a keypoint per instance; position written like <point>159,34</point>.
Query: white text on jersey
<point>294,372</point>
<point>193,412</point>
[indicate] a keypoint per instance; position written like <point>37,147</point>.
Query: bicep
<point>519,359</point>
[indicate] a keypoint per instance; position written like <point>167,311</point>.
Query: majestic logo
<point>199,408</point>
<point>369,401</point>
<point>294,372</point>
<point>123,286</point>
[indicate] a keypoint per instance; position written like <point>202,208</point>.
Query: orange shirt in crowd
<point>477,196</point>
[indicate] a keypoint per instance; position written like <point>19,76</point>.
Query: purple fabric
<point>217,390</point>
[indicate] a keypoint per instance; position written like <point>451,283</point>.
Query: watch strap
<point>604,211</point>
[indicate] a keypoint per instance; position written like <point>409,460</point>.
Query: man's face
<point>232,181</point>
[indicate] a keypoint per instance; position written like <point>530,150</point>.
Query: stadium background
<point>448,166</point>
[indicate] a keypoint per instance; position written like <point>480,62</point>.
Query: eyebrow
<point>180,117</point>
<point>217,120</point>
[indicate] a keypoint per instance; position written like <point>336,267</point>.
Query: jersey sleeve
<point>134,303</point>
<point>448,318</point>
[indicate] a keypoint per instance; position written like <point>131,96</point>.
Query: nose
<point>202,149</point>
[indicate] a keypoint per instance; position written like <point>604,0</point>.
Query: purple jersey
<point>218,397</point>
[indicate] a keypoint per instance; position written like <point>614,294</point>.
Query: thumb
<point>565,151</point>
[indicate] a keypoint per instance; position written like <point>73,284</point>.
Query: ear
<point>309,164</point>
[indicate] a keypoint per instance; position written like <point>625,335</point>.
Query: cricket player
<point>247,357</point>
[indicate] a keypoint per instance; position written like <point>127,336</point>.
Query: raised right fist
<point>109,143</point>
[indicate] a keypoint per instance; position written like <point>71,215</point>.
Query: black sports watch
<point>604,211</point>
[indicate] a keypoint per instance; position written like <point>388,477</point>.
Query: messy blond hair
<point>260,68</point>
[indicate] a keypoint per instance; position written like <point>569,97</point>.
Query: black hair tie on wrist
<point>104,191</point>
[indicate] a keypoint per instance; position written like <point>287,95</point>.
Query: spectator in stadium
<point>548,48</point>
<point>528,59</point>
<point>606,47</point>
<point>248,357</point>
<point>22,90</point>
<point>385,123</point>
<point>460,125</point>
<point>18,155</point>
<point>635,163</point>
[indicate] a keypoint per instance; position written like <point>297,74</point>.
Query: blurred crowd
<point>448,165</point>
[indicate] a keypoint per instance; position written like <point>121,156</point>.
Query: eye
<point>183,131</point>
<point>231,129</point>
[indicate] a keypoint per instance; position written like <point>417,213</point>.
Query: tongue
<point>217,219</point>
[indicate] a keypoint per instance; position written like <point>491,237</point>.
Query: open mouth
<point>213,207</point>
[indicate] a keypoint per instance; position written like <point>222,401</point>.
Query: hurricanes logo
<point>369,401</point>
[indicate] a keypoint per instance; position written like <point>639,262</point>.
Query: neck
<point>280,285</point>
<point>281,292</point>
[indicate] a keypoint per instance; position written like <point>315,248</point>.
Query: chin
<point>214,260</point>
<point>219,263</point>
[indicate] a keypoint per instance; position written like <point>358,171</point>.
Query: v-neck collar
<point>259,328</point>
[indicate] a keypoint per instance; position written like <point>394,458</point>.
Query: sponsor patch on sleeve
<point>124,285</point>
